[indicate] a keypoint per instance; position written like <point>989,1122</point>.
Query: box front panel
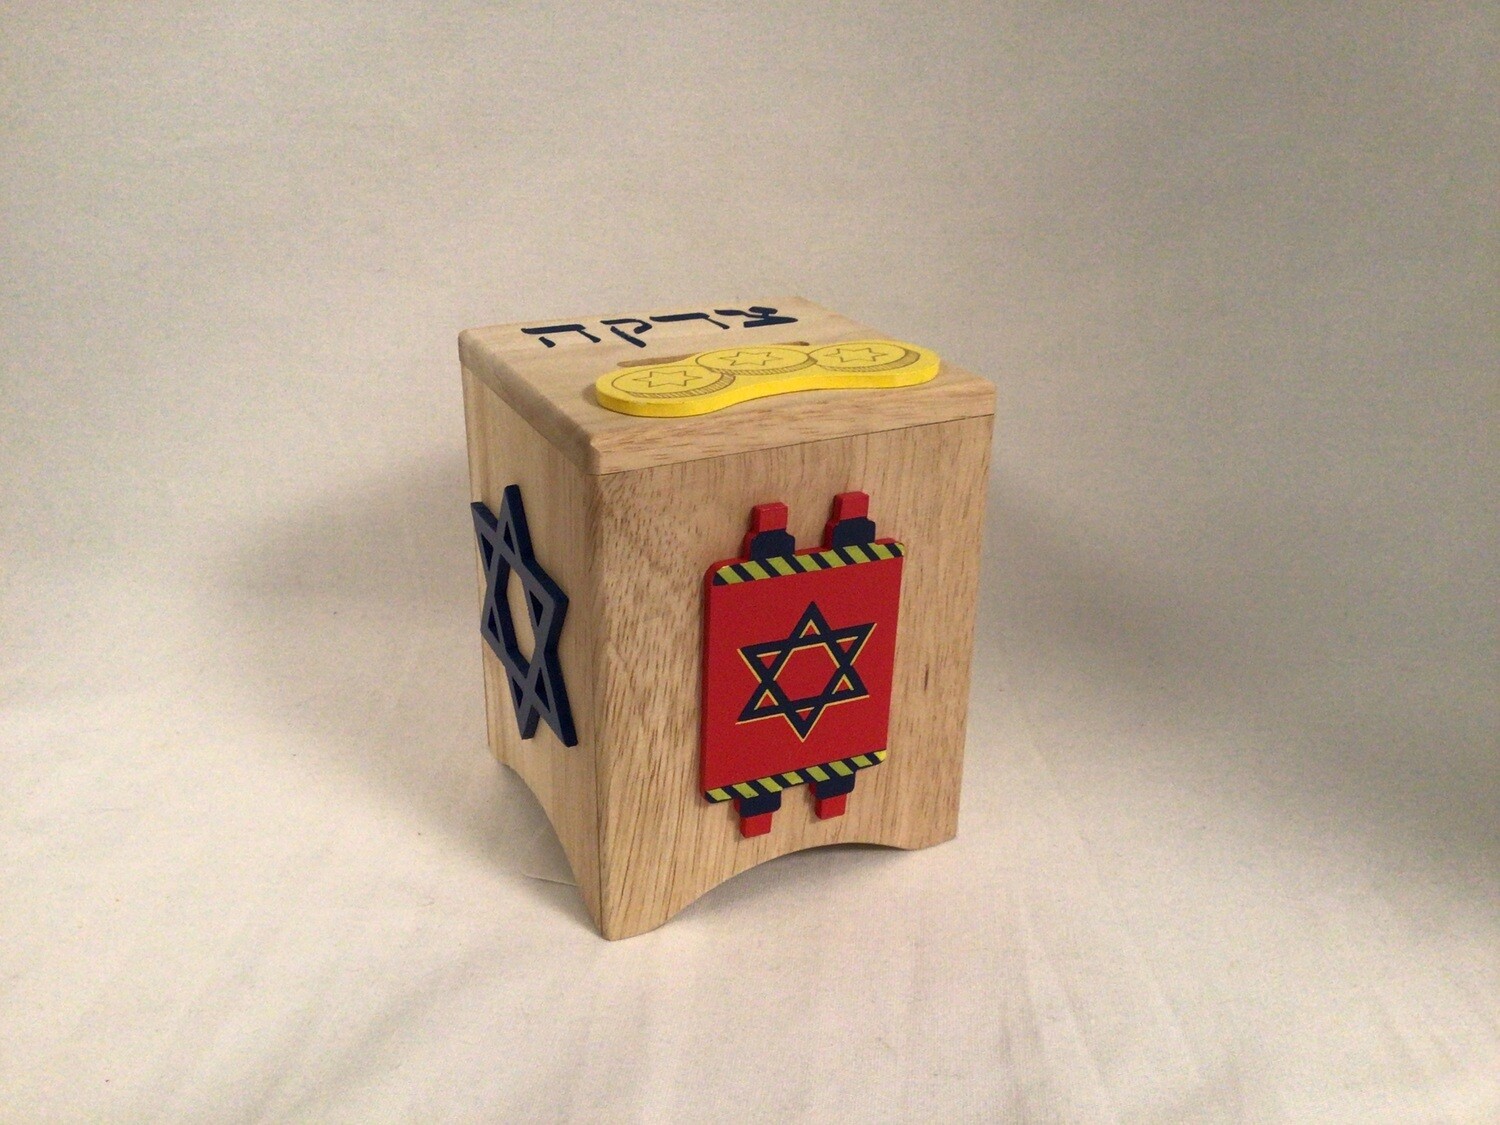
<point>664,843</point>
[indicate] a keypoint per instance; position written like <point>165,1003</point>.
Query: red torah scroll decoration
<point>799,647</point>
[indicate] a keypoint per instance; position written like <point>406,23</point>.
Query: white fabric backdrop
<point>1229,840</point>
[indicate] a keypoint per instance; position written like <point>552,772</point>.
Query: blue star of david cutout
<point>767,660</point>
<point>536,685</point>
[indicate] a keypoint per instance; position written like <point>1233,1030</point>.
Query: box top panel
<point>546,370</point>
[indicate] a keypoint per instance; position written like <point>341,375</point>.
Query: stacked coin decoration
<point>709,381</point>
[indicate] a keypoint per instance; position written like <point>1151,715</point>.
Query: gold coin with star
<point>863,356</point>
<point>674,380</point>
<point>768,360</point>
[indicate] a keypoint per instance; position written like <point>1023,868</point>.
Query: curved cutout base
<point>763,860</point>
<point>661,865</point>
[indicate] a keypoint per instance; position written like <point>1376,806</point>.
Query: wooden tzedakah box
<point>728,562</point>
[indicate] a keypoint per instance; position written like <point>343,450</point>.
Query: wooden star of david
<point>536,685</point>
<point>767,660</point>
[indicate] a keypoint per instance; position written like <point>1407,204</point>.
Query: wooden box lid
<point>546,372</point>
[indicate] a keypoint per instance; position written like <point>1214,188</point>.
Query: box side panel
<point>560,502</point>
<point>663,844</point>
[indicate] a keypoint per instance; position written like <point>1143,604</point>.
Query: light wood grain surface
<point>560,505</point>
<point>663,844</point>
<point>630,549</point>
<point>552,388</point>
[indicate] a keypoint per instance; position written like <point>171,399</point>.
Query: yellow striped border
<point>779,566</point>
<point>762,786</point>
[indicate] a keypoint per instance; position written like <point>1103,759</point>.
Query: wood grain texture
<point>662,844</point>
<point>560,506</point>
<point>629,547</point>
<point>552,388</point>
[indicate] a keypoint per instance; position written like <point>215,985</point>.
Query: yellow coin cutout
<point>674,380</point>
<point>709,381</point>
<point>864,356</point>
<point>771,360</point>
